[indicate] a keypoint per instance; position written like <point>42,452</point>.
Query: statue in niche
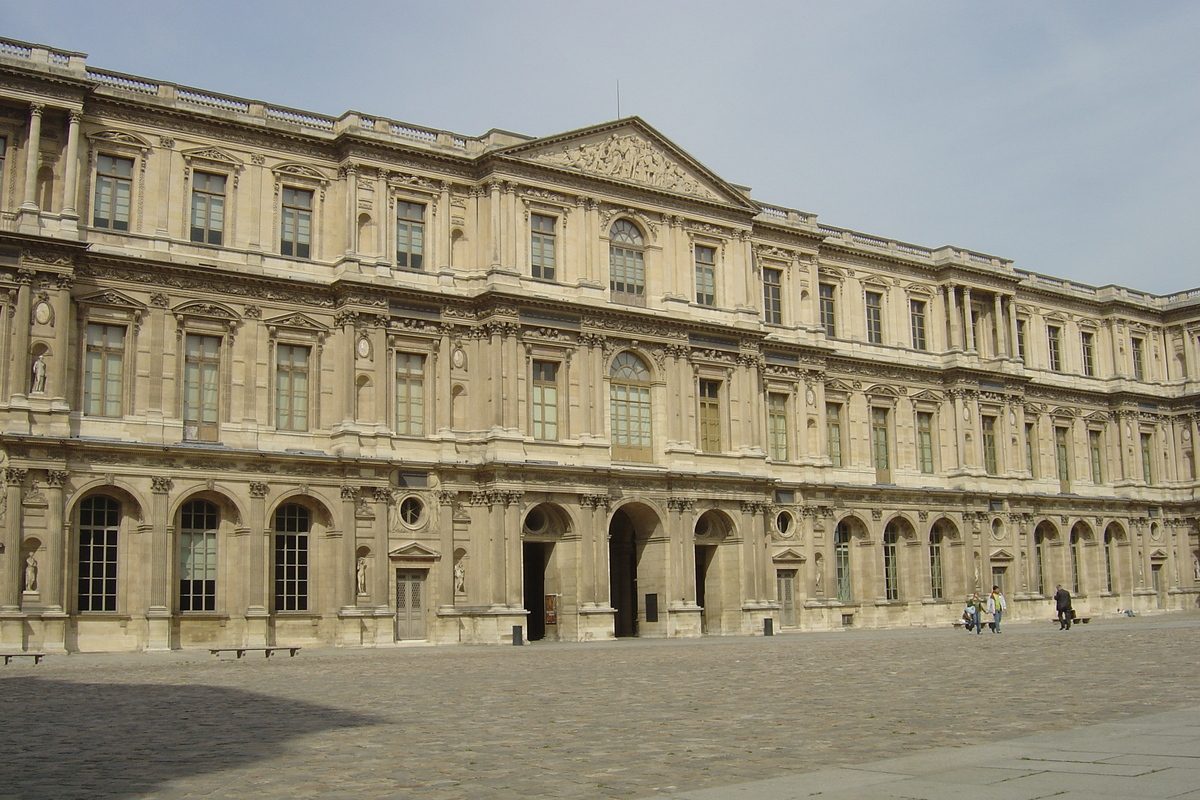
<point>460,578</point>
<point>1196,568</point>
<point>39,374</point>
<point>31,573</point>
<point>361,571</point>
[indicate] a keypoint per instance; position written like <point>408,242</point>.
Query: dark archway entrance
<point>704,559</point>
<point>536,556</point>
<point>622,574</point>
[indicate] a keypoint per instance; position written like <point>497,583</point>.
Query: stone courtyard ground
<point>624,719</point>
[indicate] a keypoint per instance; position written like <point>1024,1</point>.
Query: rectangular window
<point>833,432</point>
<point>1054,344</point>
<point>1087,347</point>
<point>291,571</point>
<point>879,438</point>
<point>777,427</point>
<point>925,442</point>
<point>828,309</point>
<point>208,207</point>
<point>772,296</point>
<point>891,566</point>
<point>1062,454</point>
<point>295,236</point>
<point>1147,472</point>
<point>917,322</point>
<point>627,274</point>
<point>1021,339</point>
<point>114,193</point>
<point>1139,358</point>
<point>544,401</point>
<point>874,317</point>
<point>710,416</point>
<point>541,246</point>
<point>990,461</point>
<point>1030,450</point>
<point>197,571</point>
<point>103,370</point>
<point>936,583</point>
<point>410,235</point>
<point>291,387</point>
<point>201,382</point>
<point>1095,455</point>
<point>99,524</point>
<point>410,394</point>
<point>706,275</point>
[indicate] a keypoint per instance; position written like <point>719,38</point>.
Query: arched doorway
<point>623,555</point>
<point>541,532</point>
<point>712,528</point>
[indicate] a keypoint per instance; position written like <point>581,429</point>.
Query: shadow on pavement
<point>78,740</point>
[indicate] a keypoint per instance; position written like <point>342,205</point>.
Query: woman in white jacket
<point>996,606</point>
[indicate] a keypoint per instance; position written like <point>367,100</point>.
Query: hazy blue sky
<point>1062,135</point>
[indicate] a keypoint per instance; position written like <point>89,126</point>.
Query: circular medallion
<point>42,313</point>
<point>364,348</point>
<point>459,359</point>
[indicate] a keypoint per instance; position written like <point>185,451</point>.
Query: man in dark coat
<point>1062,603</point>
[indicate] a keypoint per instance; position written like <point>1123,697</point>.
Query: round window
<point>783,522</point>
<point>535,521</point>
<point>411,509</point>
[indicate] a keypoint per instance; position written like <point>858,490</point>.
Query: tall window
<point>706,275</point>
<point>410,235</point>
<point>1096,456</point>
<point>874,317</point>
<point>772,296</point>
<point>201,376</point>
<point>410,394</point>
<point>1076,559</point>
<point>1021,339</point>
<point>1039,561</point>
<point>292,526</point>
<point>891,563</point>
<point>99,523</point>
<point>1147,471</point>
<point>629,399</point>
<point>291,387</point>
<point>879,438</point>
<point>936,585</point>
<point>710,416</point>
<point>1054,343</point>
<point>114,193</point>
<point>1030,450</point>
<point>295,235</point>
<point>208,207</point>
<point>925,442</point>
<point>103,369</point>
<point>541,246</point>
<point>841,561</point>
<point>777,427</point>
<point>544,401</point>
<point>916,317</point>
<point>990,461</point>
<point>626,263</point>
<point>1139,358</point>
<point>1110,544</point>
<point>1087,346</point>
<point>198,556</point>
<point>828,309</point>
<point>833,431</point>
<point>1062,454</point>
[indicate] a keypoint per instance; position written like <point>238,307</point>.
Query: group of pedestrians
<point>996,605</point>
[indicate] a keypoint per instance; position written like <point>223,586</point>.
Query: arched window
<point>841,561</point>
<point>1110,544</point>
<point>936,585</point>
<point>629,398</point>
<point>99,523</point>
<point>1076,560</point>
<point>198,556</point>
<point>626,263</point>
<point>891,562</point>
<point>1039,561</point>
<point>292,524</point>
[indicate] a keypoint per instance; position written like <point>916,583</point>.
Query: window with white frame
<point>1138,348</point>
<point>103,369</point>
<point>1096,456</point>
<point>828,308</point>
<point>630,410</point>
<point>916,315</point>
<point>410,235</point>
<point>991,461</point>
<point>291,387</point>
<point>201,387</point>
<point>198,556</point>
<point>874,304</point>
<point>1054,347</point>
<point>833,432</point>
<point>706,275</point>
<point>114,193</point>
<point>296,220</point>
<point>772,296</point>
<point>1087,349</point>
<point>542,240</point>
<point>709,416</point>
<point>544,400</point>
<point>410,394</point>
<point>879,438</point>
<point>925,442</point>
<point>208,208</point>
<point>777,425</point>
<point>626,263</point>
<point>99,528</point>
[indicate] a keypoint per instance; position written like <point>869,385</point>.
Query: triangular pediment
<point>213,154</point>
<point>111,298</point>
<point>1158,555</point>
<point>1001,555</point>
<point>296,320</point>
<point>630,151</point>
<point>790,555</point>
<point>414,550</point>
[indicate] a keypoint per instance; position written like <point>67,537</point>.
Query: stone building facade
<point>274,377</point>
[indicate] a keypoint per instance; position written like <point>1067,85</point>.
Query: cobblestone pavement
<point>631,719</point>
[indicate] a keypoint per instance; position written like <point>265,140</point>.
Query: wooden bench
<point>37,657</point>
<point>241,651</point>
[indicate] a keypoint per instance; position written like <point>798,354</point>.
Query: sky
<point>1064,136</point>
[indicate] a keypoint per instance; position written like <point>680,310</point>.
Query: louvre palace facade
<point>272,377</point>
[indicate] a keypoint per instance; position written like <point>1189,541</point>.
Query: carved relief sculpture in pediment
<point>628,157</point>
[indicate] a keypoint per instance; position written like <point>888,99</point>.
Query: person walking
<point>975,604</point>
<point>1062,604</point>
<point>996,606</point>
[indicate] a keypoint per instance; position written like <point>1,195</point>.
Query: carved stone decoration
<point>258,489</point>
<point>360,571</point>
<point>160,484</point>
<point>38,382</point>
<point>56,477</point>
<point>628,157</point>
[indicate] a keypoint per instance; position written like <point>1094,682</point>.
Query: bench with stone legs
<point>37,657</point>
<point>241,651</point>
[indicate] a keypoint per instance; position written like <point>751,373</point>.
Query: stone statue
<point>1196,568</point>
<point>361,569</point>
<point>39,374</point>
<point>460,578</point>
<point>31,571</point>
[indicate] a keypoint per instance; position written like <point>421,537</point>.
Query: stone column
<point>1013,350</point>
<point>61,364</point>
<point>969,321</point>
<point>351,173</point>
<point>50,575</point>
<point>956,340</point>
<point>998,325</point>
<point>494,229</point>
<point>257,569</point>
<point>19,377</point>
<point>70,169</point>
<point>510,531</point>
<point>32,155</point>
<point>162,536</point>
<point>343,566</point>
<point>10,593</point>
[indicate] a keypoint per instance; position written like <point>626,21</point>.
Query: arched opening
<point>45,188</point>
<point>635,570</point>
<point>198,522</point>
<point>626,263</point>
<point>1044,532</point>
<point>712,528</point>
<point>629,400</point>
<point>541,533</point>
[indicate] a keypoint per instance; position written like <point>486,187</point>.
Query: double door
<point>410,603</point>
